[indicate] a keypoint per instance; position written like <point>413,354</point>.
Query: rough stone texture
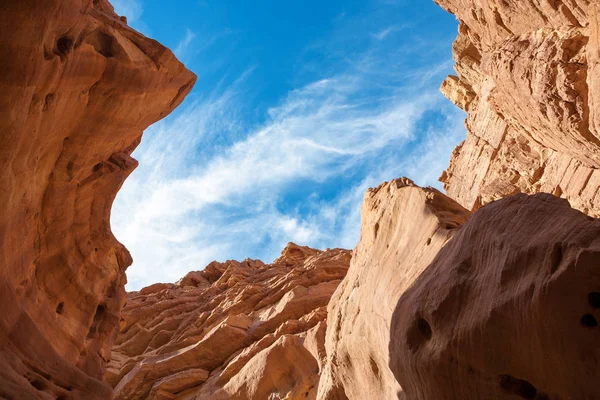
<point>403,228</point>
<point>235,330</point>
<point>529,77</point>
<point>77,88</point>
<point>507,309</point>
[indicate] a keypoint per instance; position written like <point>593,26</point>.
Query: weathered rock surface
<point>235,330</point>
<point>78,87</point>
<point>529,78</point>
<point>436,304</point>
<point>403,228</point>
<point>507,309</point>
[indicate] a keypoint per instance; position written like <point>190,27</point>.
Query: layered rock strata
<point>78,87</point>
<point>529,78</point>
<point>235,330</point>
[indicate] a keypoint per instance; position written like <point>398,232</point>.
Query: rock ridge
<point>234,330</point>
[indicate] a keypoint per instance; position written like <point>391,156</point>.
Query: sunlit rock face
<point>235,330</point>
<point>77,88</point>
<point>403,228</point>
<point>504,306</point>
<point>529,78</point>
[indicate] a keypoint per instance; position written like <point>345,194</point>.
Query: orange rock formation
<point>505,306</point>
<point>231,331</point>
<point>529,77</point>
<point>403,228</point>
<point>77,87</point>
<point>436,304</point>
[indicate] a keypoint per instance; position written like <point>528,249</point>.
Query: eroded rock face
<point>505,307</point>
<point>78,87</point>
<point>529,78</point>
<point>235,330</point>
<point>509,308</point>
<point>403,228</point>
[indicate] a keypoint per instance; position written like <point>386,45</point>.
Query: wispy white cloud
<point>184,43</point>
<point>184,209</point>
<point>210,186</point>
<point>384,33</point>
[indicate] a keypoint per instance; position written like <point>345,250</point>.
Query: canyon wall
<point>504,306</point>
<point>529,78</point>
<point>403,228</point>
<point>78,88</point>
<point>436,304</point>
<point>235,330</point>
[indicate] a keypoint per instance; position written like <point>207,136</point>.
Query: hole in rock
<point>48,101</point>
<point>518,387</point>
<point>64,45</point>
<point>104,44</point>
<point>60,308</point>
<point>424,328</point>
<point>97,167</point>
<point>374,367</point>
<point>419,333</point>
<point>100,311</point>
<point>39,384</point>
<point>376,230</point>
<point>589,321</point>
<point>594,299</point>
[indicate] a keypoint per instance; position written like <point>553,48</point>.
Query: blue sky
<point>298,109</point>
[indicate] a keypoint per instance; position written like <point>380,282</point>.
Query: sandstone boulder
<point>504,306</point>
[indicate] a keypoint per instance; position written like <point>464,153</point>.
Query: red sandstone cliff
<point>437,304</point>
<point>78,87</point>
<point>529,77</point>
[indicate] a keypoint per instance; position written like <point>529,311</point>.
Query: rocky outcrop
<point>403,229</point>
<point>529,78</point>
<point>78,87</point>
<point>504,307</point>
<point>437,304</point>
<point>235,330</point>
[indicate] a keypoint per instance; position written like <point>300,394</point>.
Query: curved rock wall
<point>529,78</point>
<point>436,304</point>
<point>78,87</point>
<point>509,308</point>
